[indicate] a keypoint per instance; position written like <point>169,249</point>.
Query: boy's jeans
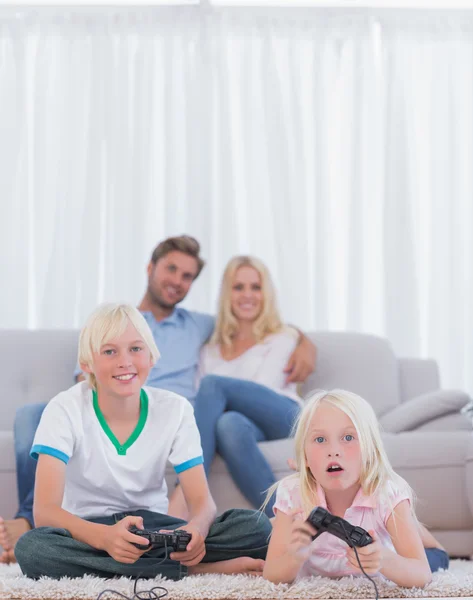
<point>53,552</point>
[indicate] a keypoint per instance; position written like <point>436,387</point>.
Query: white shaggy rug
<point>456,582</point>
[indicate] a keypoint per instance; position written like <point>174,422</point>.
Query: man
<point>179,334</point>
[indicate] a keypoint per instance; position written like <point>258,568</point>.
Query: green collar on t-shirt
<point>122,448</point>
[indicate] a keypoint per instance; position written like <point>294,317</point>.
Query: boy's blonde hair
<point>267,322</point>
<point>376,470</point>
<point>107,322</point>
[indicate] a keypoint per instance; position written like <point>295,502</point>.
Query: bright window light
<point>417,4</point>
<point>79,3</point>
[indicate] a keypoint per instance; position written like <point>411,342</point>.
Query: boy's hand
<point>301,537</point>
<point>195,551</point>
<point>119,540</point>
<point>371,556</point>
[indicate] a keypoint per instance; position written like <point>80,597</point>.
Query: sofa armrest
<point>418,411</point>
<point>417,376</point>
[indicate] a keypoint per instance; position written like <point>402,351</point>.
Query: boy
<point>102,448</point>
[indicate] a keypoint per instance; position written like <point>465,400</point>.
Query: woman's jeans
<point>233,415</point>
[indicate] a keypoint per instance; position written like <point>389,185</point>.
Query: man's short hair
<point>181,243</point>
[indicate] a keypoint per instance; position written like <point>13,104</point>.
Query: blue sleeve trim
<point>193,462</point>
<point>39,449</point>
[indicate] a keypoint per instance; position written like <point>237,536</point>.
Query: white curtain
<point>336,146</point>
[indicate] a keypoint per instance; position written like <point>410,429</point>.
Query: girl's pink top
<point>327,554</point>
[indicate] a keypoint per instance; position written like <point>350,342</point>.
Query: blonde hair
<point>107,322</point>
<point>267,322</point>
<point>376,470</point>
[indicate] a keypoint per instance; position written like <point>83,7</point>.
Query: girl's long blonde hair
<point>376,470</point>
<point>267,322</point>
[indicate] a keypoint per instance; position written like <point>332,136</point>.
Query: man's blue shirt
<point>179,338</point>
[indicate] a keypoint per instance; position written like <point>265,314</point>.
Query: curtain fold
<point>337,146</point>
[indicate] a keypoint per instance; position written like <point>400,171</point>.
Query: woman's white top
<point>263,363</point>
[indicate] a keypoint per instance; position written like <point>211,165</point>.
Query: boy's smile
<point>125,378</point>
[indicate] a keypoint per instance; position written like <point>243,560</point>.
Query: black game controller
<point>322,520</point>
<point>176,540</point>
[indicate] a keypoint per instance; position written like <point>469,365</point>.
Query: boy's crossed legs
<point>237,543</point>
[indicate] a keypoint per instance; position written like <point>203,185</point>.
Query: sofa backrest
<point>361,363</point>
<point>37,365</point>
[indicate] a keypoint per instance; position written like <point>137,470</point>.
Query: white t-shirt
<point>263,363</point>
<point>104,477</point>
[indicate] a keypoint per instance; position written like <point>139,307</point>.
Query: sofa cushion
<point>425,408</point>
<point>433,463</point>
<point>48,359</point>
<point>7,453</point>
<point>363,364</point>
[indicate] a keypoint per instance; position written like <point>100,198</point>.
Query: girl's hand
<point>371,556</point>
<point>119,540</point>
<point>302,533</point>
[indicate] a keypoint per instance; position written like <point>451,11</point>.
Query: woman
<point>243,396</point>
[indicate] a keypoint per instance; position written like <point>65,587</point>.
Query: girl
<point>342,466</point>
<point>244,397</point>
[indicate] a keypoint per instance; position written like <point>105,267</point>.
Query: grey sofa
<point>427,438</point>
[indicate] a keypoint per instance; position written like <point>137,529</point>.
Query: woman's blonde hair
<point>267,322</point>
<point>107,322</point>
<point>376,470</point>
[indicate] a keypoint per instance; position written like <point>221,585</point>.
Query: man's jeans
<point>27,419</point>
<point>233,415</point>
<point>53,552</point>
<point>438,559</point>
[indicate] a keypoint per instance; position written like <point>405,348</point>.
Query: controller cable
<point>350,543</point>
<point>152,595</point>
<point>142,594</point>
